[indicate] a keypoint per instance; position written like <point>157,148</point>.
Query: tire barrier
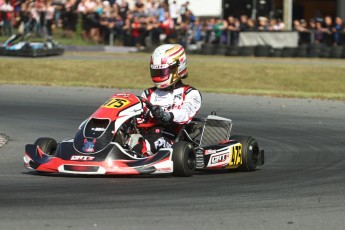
<point>289,52</point>
<point>232,51</point>
<point>325,52</point>
<point>314,50</point>
<point>277,52</point>
<point>247,51</point>
<point>303,51</point>
<point>263,51</point>
<point>337,52</point>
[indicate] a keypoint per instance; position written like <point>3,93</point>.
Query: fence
<point>273,44</point>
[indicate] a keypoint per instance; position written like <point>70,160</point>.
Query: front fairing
<point>97,132</point>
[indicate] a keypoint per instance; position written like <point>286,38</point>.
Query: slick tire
<point>184,159</point>
<point>47,145</point>
<point>250,152</point>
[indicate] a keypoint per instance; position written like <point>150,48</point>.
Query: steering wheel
<point>152,122</point>
<point>147,102</point>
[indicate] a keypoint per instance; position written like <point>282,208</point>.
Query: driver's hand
<point>160,114</point>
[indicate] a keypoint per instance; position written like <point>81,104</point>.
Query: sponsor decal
<point>89,146</point>
<point>236,156</point>
<point>164,169</point>
<point>162,143</point>
<point>82,158</point>
<point>98,129</point>
<point>178,96</point>
<point>115,103</point>
<point>123,94</point>
<point>217,159</point>
<point>210,151</point>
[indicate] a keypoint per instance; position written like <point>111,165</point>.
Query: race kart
<point>19,45</point>
<point>104,144</point>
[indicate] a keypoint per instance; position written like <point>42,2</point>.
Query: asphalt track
<point>301,186</point>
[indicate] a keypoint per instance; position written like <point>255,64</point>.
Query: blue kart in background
<point>19,45</point>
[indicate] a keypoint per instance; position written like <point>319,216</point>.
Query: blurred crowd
<point>146,23</point>
<point>321,30</point>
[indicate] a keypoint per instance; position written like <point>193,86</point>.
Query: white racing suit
<point>182,101</point>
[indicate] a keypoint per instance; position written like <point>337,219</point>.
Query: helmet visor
<point>160,75</point>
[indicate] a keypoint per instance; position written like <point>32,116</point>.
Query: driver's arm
<point>190,107</point>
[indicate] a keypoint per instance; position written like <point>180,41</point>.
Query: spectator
<point>69,18</point>
<point>328,28</point>
<point>136,30</point>
<point>58,8</point>
<point>311,25</point>
<point>6,10</point>
<point>251,25</point>
<point>233,28</point>
<point>49,18</point>
<point>338,30</point>
<point>24,15</point>
<point>276,25</point>
<point>151,8</point>
<point>153,31</point>
<point>197,32</point>
<point>123,9</point>
<point>263,24</point>
<point>319,32</point>
<point>162,8</point>
<point>243,23</point>
<point>174,11</point>
<point>167,27</point>
<point>139,8</point>
<point>35,17</point>
<point>184,9</point>
<point>304,33</point>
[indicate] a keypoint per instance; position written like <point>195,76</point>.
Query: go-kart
<point>104,144</point>
<point>19,45</point>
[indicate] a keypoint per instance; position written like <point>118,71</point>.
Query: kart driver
<point>174,103</point>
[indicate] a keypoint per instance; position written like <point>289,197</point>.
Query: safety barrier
<point>302,51</point>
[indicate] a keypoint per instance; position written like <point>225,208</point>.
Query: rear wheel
<point>184,159</point>
<point>250,152</point>
<point>47,145</point>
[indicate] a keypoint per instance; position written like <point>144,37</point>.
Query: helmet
<point>168,65</point>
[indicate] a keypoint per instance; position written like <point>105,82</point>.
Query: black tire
<point>247,51</point>
<point>47,145</point>
<point>314,50</point>
<point>263,51</point>
<point>325,52</point>
<point>336,52</point>
<point>277,53</point>
<point>250,152</point>
<point>232,51</point>
<point>302,51</point>
<point>289,52</point>
<point>220,50</point>
<point>184,159</point>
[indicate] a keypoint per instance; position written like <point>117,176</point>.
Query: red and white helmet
<point>168,65</point>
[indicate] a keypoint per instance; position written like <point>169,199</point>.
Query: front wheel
<point>250,152</point>
<point>184,159</point>
<point>47,145</point>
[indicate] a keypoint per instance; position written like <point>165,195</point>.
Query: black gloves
<point>160,114</point>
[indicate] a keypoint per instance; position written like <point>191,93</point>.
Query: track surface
<point>301,186</point>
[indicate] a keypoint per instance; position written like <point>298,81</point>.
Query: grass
<point>303,78</point>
